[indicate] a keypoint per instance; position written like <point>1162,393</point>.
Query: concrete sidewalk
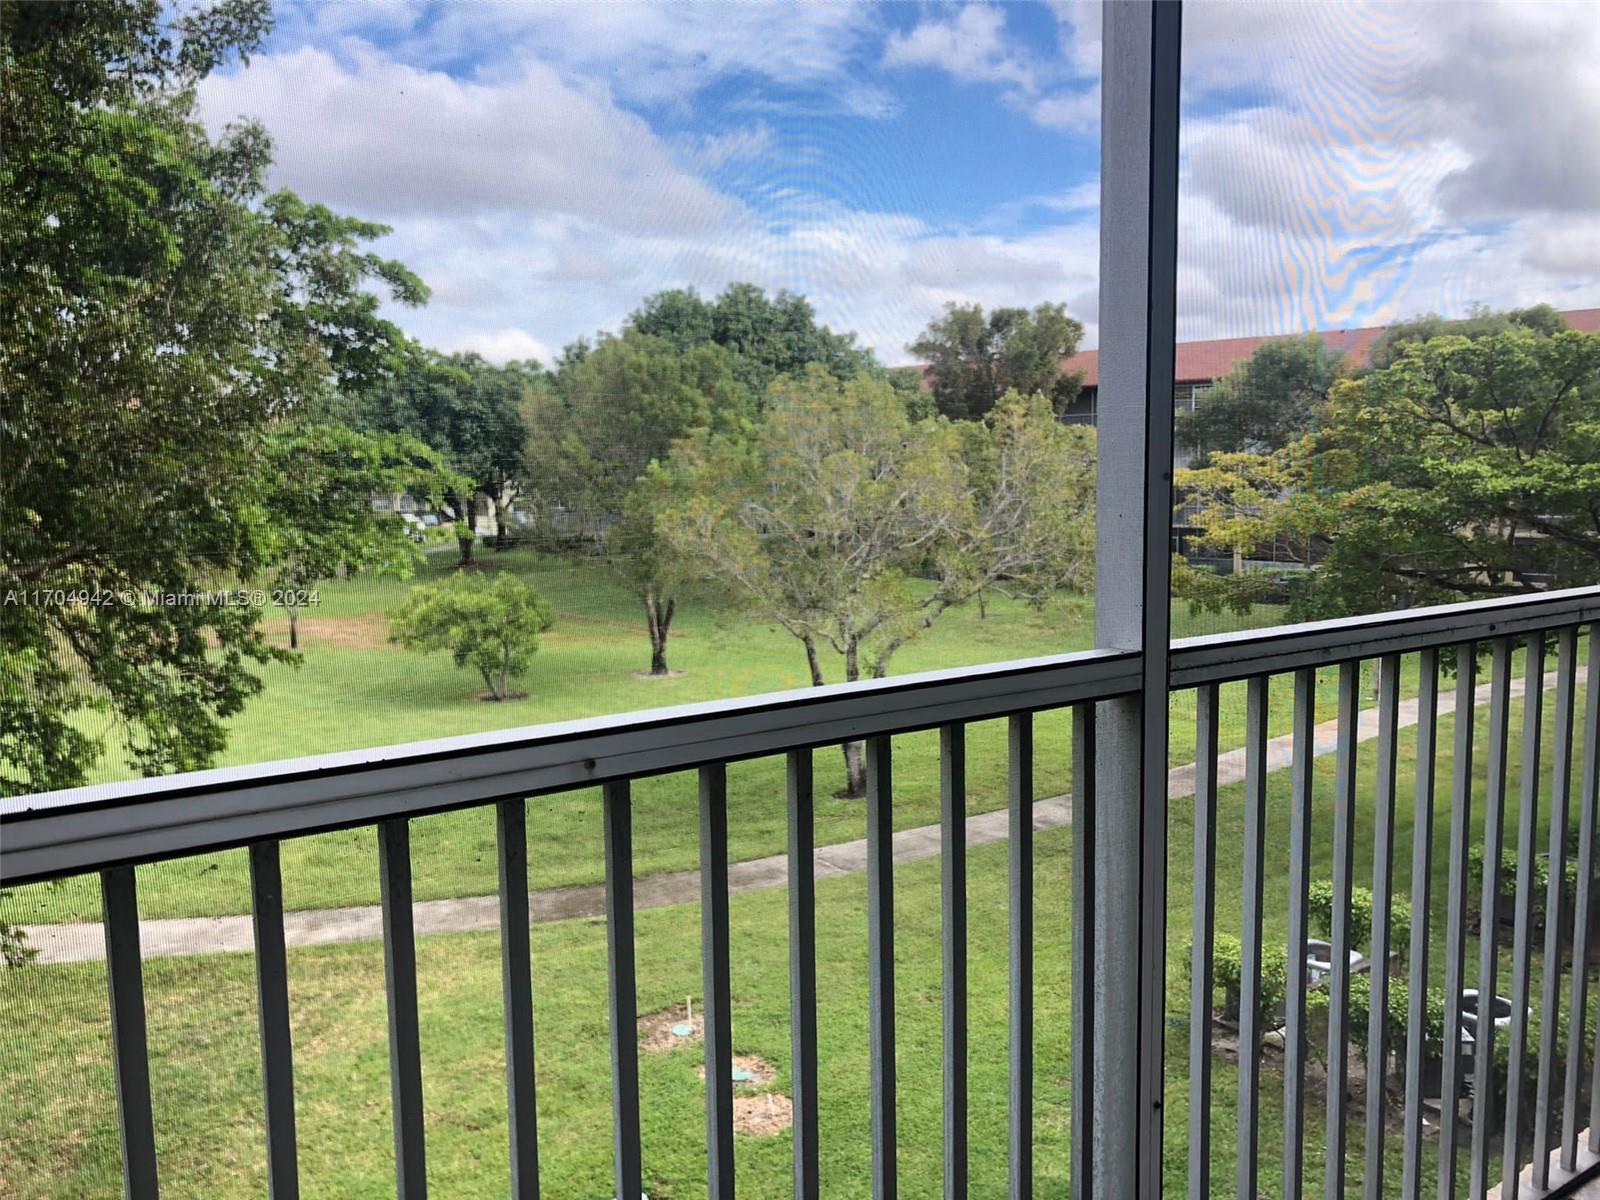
<point>84,941</point>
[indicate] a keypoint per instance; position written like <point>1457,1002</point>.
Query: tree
<point>973,360</point>
<point>162,314</point>
<point>829,514</point>
<point>769,336</point>
<point>471,413</point>
<point>491,626</point>
<point>1468,466</point>
<point>1265,402</point>
<point>592,439</point>
<point>320,482</point>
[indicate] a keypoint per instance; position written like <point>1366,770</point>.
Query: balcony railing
<point>1549,1089</point>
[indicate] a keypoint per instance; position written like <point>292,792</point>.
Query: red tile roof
<point>1201,362</point>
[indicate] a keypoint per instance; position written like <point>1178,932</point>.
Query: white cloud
<point>737,145</point>
<point>501,346</point>
<point>971,47</point>
<point>392,140</point>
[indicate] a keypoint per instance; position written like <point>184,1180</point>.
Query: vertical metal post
<point>516,985</point>
<point>1421,892</point>
<point>1138,265</point>
<point>1588,802</point>
<point>277,1044</point>
<point>1202,959</point>
<point>953,901</point>
<point>1020,848</point>
<point>1344,834</point>
<point>714,958</point>
<point>1522,927</point>
<point>1455,934</point>
<point>1494,811</point>
<point>400,981</point>
<point>880,965</point>
<point>1083,921</point>
<point>130,1051</point>
<point>1251,896</point>
<point>1303,768</point>
<point>803,972</point>
<point>1554,906</point>
<point>1382,886</point>
<point>624,999</point>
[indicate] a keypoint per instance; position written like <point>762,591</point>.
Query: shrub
<point>491,626</point>
<point>1227,958</point>
<point>1319,911</point>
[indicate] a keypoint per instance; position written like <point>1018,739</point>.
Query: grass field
<point>56,1086</point>
<point>55,1080</point>
<point>355,690</point>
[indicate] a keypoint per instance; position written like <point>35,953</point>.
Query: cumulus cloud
<point>501,346</point>
<point>394,140</point>
<point>970,46</point>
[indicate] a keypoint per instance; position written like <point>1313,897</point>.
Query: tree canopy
<point>492,626</point>
<point>1266,401</point>
<point>162,313</point>
<point>593,437</point>
<point>768,335</point>
<point>973,359</point>
<point>1470,465</point>
<point>468,410</point>
<point>854,527</point>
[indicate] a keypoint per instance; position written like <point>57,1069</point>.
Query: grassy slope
<point>55,1082</point>
<point>355,691</point>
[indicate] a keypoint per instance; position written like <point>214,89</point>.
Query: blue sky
<point>544,166</point>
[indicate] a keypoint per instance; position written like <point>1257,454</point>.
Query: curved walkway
<point>84,941</point>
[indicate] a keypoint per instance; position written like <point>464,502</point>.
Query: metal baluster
<point>400,982</point>
<point>714,957</point>
<point>1421,892</point>
<point>1202,957</point>
<point>953,901</point>
<point>880,963</point>
<point>1344,834</point>
<point>1083,884</point>
<point>1382,908</point>
<point>1303,776</point>
<point>1255,821</point>
<point>130,1049</point>
<point>803,972</point>
<point>1020,846</point>
<point>1588,802</point>
<point>277,1044</point>
<point>1455,934</point>
<point>624,1000</point>
<point>1554,906</point>
<point>516,979</point>
<point>1522,939</point>
<point>1488,948</point>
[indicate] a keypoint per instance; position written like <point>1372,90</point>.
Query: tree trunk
<point>855,770</point>
<point>983,607</point>
<point>658,617</point>
<point>464,544</point>
<point>855,762</point>
<point>294,627</point>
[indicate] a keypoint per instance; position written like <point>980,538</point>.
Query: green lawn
<point>354,690</point>
<point>56,1086</point>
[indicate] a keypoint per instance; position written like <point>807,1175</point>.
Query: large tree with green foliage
<point>1266,401</point>
<point>613,412</point>
<point>833,513</point>
<point>1470,465</point>
<point>319,484</point>
<point>471,412</point>
<point>162,313</point>
<point>973,359</point>
<point>769,336</point>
